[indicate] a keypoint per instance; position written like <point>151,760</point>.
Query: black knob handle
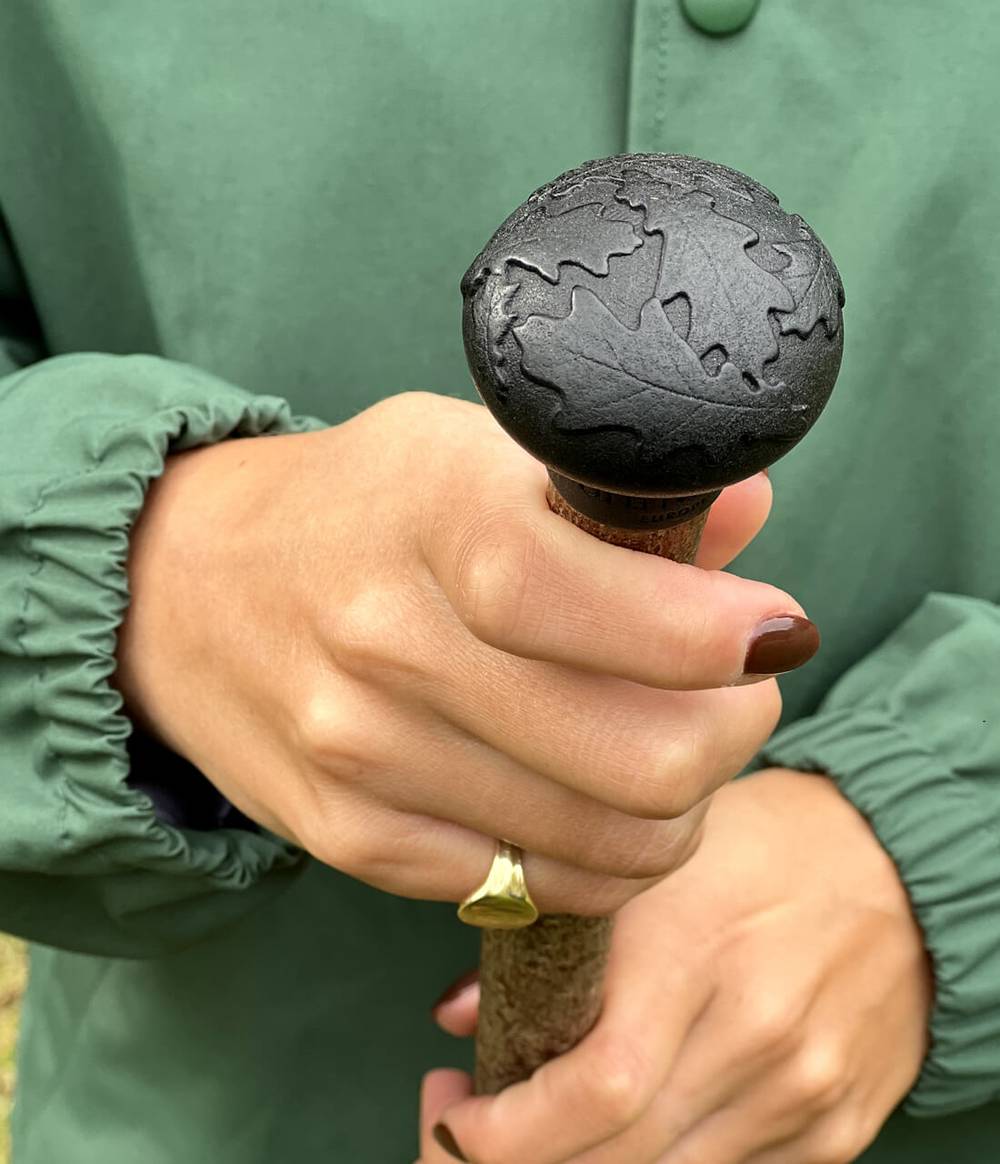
<point>653,327</point>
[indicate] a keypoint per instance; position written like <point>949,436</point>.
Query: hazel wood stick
<point>651,327</point>
<point>541,986</point>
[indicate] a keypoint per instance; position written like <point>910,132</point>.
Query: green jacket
<point>244,191</point>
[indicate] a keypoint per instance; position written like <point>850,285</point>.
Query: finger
<point>530,583</point>
<point>599,1090</point>
<point>718,1132</point>
<point>726,1138</point>
<point>410,763</point>
<point>434,860</point>
<point>637,749</point>
<point>457,1010</point>
<point>841,1138</point>
<point>640,750</point>
<point>727,1065</point>
<point>773,1108</point>
<point>734,521</point>
<point>745,1134</point>
<point>439,1090</point>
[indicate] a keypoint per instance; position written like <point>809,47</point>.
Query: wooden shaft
<point>542,986</point>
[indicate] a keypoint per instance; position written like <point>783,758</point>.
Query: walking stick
<point>652,328</point>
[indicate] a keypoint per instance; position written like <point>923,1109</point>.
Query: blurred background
<point>12,975</point>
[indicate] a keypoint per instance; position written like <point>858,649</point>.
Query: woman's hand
<point>378,642</point>
<point>766,1004</point>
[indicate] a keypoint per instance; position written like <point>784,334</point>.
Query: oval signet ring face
<point>502,902</point>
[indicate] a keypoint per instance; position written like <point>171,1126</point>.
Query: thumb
<point>457,1010</point>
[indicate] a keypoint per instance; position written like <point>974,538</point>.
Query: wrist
<point>174,542</point>
<point>827,824</point>
<point>834,840</point>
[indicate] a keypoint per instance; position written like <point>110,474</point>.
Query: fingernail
<point>447,1141</point>
<point>781,644</point>
<point>457,988</point>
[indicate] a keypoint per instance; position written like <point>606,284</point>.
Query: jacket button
<point>719,17</point>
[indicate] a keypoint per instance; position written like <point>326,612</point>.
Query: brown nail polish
<point>447,1141</point>
<point>459,986</point>
<point>781,644</point>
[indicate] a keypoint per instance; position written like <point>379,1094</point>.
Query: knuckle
<point>496,572</point>
<point>770,1030</point>
<point>615,1081</point>
<point>412,403</point>
<point>368,635</point>
<point>689,764</point>
<point>661,780</point>
<point>819,1078</point>
<point>649,850</point>
<point>328,735</point>
<point>415,399</point>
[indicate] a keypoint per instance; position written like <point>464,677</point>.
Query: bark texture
<point>542,986</point>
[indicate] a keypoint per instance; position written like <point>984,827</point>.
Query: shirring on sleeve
<point>74,830</point>
<point>911,735</point>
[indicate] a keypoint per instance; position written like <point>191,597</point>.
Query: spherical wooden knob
<point>653,327</point>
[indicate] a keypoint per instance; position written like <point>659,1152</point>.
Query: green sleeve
<point>85,861</point>
<point>911,734</point>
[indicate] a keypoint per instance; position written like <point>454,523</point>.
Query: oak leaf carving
<point>813,280</point>
<point>580,235</point>
<point>705,259</point>
<point>616,371</point>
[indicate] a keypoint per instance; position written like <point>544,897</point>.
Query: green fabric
<point>926,772</point>
<point>276,200</point>
<point>76,840</point>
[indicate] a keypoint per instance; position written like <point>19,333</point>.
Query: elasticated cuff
<point>82,437</point>
<point>935,826</point>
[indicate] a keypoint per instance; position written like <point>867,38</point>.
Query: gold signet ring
<point>502,902</point>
